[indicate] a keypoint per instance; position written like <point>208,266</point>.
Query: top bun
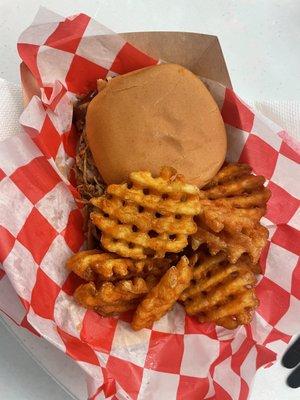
<point>155,116</point>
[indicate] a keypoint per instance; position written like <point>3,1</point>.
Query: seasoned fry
<point>148,216</point>
<point>221,292</point>
<point>93,265</point>
<point>110,297</point>
<point>163,296</point>
<point>232,205</point>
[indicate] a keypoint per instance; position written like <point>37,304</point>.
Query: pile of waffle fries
<point>162,240</point>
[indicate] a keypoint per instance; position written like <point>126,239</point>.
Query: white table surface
<point>260,41</point>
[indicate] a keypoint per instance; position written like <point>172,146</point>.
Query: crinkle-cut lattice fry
<point>109,293</point>
<point>221,292</point>
<point>147,216</point>
<point>162,297</point>
<point>235,199</point>
<point>93,265</point>
<point>250,241</point>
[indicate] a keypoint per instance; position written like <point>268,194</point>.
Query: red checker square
<point>68,34</point>
<point>277,335</point>
<point>2,273</point>
<point>71,283</point>
<point>36,179</point>
<point>25,324</point>
<point>235,113</point>
<point>37,235</point>
<point>295,290</point>
<point>128,375</point>
<point>244,391</point>
<point>83,74</point>
<point>264,356</point>
<point>288,152</point>
<point>76,349</point>
<point>192,325</point>
<point>44,294</point>
<point>7,242</point>
<point>165,352</point>
<point>73,233</point>
<point>220,393</point>
<point>70,140</point>
<point>281,205</point>
<point>287,237</point>
<point>190,388</point>
<point>28,53</point>
<point>109,385</point>
<point>129,59</point>
<point>98,331</point>
<point>48,139</point>
<point>260,155</point>
<point>2,174</point>
<point>274,300</point>
<point>263,257</point>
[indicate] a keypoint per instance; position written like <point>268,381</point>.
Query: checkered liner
<point>41,226</point>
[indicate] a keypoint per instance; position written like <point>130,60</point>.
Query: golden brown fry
<point>162,297</point>
<point>111,297</point>
<point>92,265</point>
<point>232,205</point>
<point>250,241</point>
<point>221,292</point>
<point>148,216</point>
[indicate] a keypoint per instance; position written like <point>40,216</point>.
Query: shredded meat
<point>89,181</point>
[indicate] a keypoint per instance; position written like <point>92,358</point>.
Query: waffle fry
<point>163,296</point>
<point>232,205</point>
<point>221,292</point>
<point>93,265</point>
<point>148,216</point>
<point>250,241</point>
<point>234,200</point>
<point>111,297</point>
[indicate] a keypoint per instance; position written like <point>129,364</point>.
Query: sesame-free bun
<point>155,116</point>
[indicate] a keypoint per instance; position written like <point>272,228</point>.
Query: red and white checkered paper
<point>41,226</point>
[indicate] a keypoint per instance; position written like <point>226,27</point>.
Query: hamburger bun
<point>155,116</point>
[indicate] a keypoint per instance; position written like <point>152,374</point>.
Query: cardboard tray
<point>200,53</point>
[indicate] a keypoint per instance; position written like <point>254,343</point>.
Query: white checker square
<point>16,152</point>
<point>294,222</point>
<point>279,256</point>
<point>54,261</point>
<point>34,115</point>
<point>56,206</point>
<point>68,315</point>
<point>199,352</point>
<point>265,131</point>
<point>154,382</point>
<point>34,35</point>
<point>286,175</point>
<point>10,303</point>
<point>46,328</point>
<point>53,62</point>
<point>227,378</point>
<point>14,205</point>
<point>238,339</point>
<point>172,322</point>
<point>130,345</point>
<point>21,269</point>
<point>260,328</point>
<point>100,47</point>
<point>102,357</point>
<point>248,367</point>
<point>289,323</point>
<point>236,139</point>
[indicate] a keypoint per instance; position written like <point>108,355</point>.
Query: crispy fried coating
<point>147,216</point>
<point>250,241</point>
<point>110,298</point>
<point>222,292</point>
<point>232,205</point>
<point>162,297</point>
<point>93,265</point>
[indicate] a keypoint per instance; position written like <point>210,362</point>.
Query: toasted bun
<point>156,116</point>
